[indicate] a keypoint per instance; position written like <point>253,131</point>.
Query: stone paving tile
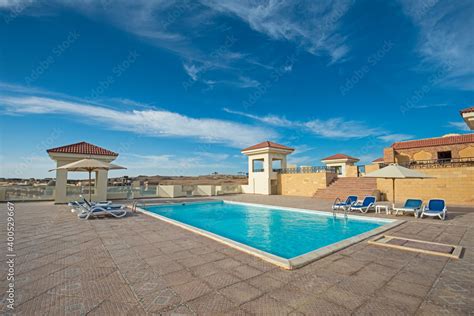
<point>408,288</point>
<point>264,282</point>
<point>160,301</point>
<point>212,303</point>
<point>408,303</point>
<point>290,296</point>
<point>245,272</point>
<point>115,308</point>
<point>379,306</point>
<point>227,263</point>
<point>221,279</point>
<point>241,292</point>
<point>341,297</point>
<point>204,270</point>
<point>313,283</point>
<point>180,277</point>
<point>191,290</point>
<point>266,305</point>
<point>430,309</point>
<point>47,304</point>
<point>319,306</point>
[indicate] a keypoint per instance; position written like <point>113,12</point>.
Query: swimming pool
<point>285,236</point>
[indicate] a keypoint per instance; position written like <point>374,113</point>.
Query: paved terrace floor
<point>140,265</point>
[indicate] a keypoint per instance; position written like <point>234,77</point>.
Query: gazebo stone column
<point>100,191</point>
<point>60,194</point>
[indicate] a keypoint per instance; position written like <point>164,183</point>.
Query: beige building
<point>344,165</point>
<point>70,153</point>
<point>468,116</point>
<point>264,161</point>
<point>449,148</point>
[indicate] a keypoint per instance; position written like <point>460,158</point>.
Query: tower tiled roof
<point>268,144</point>
<point>339,156</point>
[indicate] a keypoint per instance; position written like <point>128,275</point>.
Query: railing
<point>440,163</point>
<point>46,193</point>
<point>313,169</point>
<point>27,193</point>
<point>258,170</point>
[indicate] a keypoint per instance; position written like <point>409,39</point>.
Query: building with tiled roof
<point>339,157</point>
<point>82,148</point>
<point>378,160</point>
<point>468,116</point>
<point>64,155</point>
<point>451,146</point>
<point>268,144</point>
<point>342,163</point>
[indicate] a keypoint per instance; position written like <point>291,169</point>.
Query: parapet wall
<point>303,184</point>
<point>455,185</point>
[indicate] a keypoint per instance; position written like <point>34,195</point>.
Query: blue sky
<point>179,87</point>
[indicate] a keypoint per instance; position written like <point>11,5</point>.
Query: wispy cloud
<point>460,126</point>
<point>150,122</point>
<point>313,25</point>
<point>339,128</point>
<point>445,37</point>
<point>269,119</point>
<point>395,137</point>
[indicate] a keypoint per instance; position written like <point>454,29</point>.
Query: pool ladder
<point>346,209</point>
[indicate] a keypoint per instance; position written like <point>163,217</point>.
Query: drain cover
<point>421,246</point>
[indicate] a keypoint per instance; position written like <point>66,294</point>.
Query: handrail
<point>439,163</point>
<point>312,169</point>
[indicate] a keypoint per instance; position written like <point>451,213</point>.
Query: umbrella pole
<point>90,186</point>
<point>393,193</point>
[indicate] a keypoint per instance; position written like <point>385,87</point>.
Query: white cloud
<point>311,24</point>
<point>445,37</point>
<point>341,128</point>
<point>395,137</point>
<point>158,123</point>
<point>268,119</point>
<point>330,128</point>
<point>192,71</point>
<point>461,126</point>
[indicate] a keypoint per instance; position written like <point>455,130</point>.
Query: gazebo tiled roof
<point>439,141</point>
<point>340,156</point>
<point>268,144</point>
<point>83,148</point>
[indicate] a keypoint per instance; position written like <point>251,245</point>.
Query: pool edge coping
<point>295,262</point>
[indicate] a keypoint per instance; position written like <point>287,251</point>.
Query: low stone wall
<point>303,184</point>
<point>455,185</point>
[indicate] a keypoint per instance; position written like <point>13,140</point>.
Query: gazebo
<point>71,153</point>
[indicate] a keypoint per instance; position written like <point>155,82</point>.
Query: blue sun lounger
<point>435,208</point>
<point>367,203</point>
<point>339,204</point>
<point>411,205</point>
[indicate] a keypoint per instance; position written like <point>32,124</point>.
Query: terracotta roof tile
<point>82,148</point>
<point>378,160</point>
<point>339,156</point>
<point>468,110</point>
<point>439,141</point>
<point>267,144</point>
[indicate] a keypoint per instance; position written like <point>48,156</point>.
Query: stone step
<point>342,187</point>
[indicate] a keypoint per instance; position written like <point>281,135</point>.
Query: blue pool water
<point>285,233</point>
